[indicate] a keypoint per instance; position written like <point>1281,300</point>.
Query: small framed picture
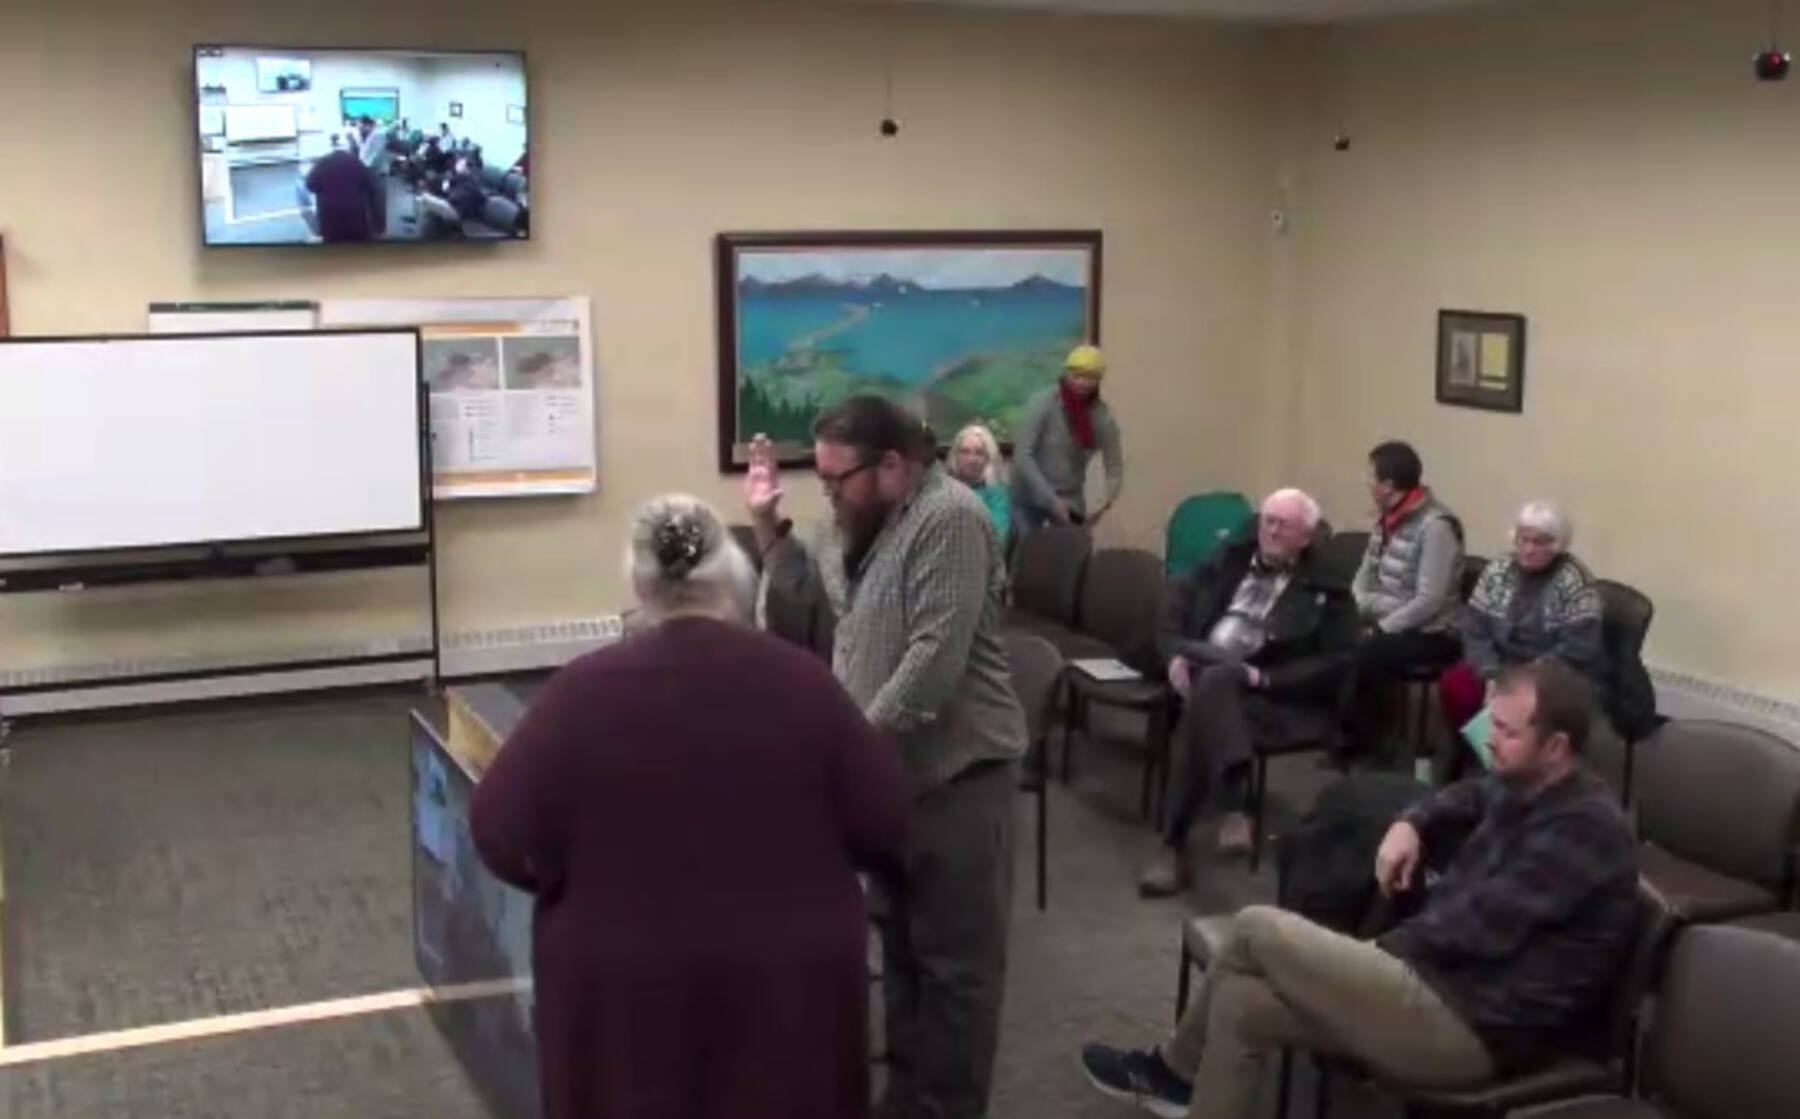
<point>515,114</point>
<point>1481,360</point>
<point>456,109</point>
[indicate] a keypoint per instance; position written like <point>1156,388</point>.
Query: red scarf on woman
<point>1079,411</point>
<point>1402,509</point>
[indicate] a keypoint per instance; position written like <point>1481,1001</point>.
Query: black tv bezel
<point>199,149</point>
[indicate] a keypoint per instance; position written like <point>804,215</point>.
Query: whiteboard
<point>259,122</point>
<point>150,441</point>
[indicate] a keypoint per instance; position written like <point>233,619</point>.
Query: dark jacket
<point>1312,628</point>
<point>346,194</point>
<point>465,196</point>
<point>697,770</point>
<point>1525,934</point>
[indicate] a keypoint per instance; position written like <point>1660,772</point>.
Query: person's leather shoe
<point>1165,875</point>
<point>1235,834</point>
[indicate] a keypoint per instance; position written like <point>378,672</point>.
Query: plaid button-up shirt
<point>1526,932</point>
<point>918,628</point>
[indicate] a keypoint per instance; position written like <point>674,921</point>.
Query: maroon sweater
<point>691,808</point>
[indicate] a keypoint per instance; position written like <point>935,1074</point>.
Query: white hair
<point>996,469</point>
<point>681,560</point>
<point>1310,513</point>
<point>1545,517</point>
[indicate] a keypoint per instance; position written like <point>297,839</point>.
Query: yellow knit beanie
<point>1086,361</point>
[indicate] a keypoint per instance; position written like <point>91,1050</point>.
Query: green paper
<point>1476,732</point>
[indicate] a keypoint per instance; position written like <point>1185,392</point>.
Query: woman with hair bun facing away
<point>691,808</point>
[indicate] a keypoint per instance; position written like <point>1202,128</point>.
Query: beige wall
<point>659,126</point>
<point>1605,167</point>
<point>1610,170</point>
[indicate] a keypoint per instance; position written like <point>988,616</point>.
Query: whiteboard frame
<point>421,427</point>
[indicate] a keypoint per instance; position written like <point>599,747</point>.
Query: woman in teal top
<point>975,461</point>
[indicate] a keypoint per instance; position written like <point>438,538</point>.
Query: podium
<point>468,926</point>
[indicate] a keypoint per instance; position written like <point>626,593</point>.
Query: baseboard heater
<point>397,660</point>
<point>530,648</point>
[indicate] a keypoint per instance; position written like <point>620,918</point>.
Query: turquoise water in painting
<point>906,337</point>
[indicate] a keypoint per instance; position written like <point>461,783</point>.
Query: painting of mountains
<point>958,327</point>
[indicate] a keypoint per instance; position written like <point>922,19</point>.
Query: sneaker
<point>1165,875</point>
<point>1139,1077</point>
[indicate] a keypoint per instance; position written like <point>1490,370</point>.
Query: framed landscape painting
<point>959,327</point>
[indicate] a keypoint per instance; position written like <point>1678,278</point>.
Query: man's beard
<point>860,526</point>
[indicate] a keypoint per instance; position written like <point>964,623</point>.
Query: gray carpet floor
<point>384,1066</point>
<point>174,865</point>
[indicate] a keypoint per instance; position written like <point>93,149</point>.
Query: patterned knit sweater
<point>1515,616</point>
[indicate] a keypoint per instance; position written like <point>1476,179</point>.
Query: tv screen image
<point>283,75</point>
<point>310,147</point>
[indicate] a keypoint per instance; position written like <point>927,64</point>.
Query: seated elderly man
<point>1509,959</point>
<point>1254,640</point>
<point>1540,602</point>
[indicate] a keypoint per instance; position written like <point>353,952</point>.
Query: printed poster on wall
<point>512,389</point>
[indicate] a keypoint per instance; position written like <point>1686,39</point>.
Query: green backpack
<point>1200,525</point>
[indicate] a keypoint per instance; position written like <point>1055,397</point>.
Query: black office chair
<point>1625,617</point>
<point>1605,1064</point>
<point>1122,593</point>
<point>1046,579</point>
<point>1721,1042</point>
<point>1716,812</point>
<point>1340,555</point>
<point>1039,679</point>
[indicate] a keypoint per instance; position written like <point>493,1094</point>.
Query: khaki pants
<point>1281,980</point>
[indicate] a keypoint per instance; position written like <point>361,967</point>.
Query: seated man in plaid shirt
<point>1511,956</point>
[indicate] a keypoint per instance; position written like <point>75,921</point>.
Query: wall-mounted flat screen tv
<point>340,146</point>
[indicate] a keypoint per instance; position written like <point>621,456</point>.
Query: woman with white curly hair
<point>1539,602</point>
<point>691,808</point>
<point>975,462</point>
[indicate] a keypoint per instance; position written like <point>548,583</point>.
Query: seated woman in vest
<point>975,462</point>
<point>1406,588</point>
<point>1540,602</point>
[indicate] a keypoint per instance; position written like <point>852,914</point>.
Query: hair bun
<point>679,542</point>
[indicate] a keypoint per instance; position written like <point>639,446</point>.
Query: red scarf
<point>1079,411</point>
<point>1402,509</point>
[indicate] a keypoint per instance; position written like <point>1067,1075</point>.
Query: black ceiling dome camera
<point>1772,65</point>
<point>890,126</point>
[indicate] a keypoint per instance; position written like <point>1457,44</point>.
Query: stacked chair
<point>1097,604</point>
<point>1040,680</point>
<point>1721,1044</point>
<point>1716,807</point>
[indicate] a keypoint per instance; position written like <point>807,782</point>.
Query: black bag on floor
<point>1327,863</point>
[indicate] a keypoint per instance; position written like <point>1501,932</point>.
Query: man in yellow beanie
<point>1061,429</point>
